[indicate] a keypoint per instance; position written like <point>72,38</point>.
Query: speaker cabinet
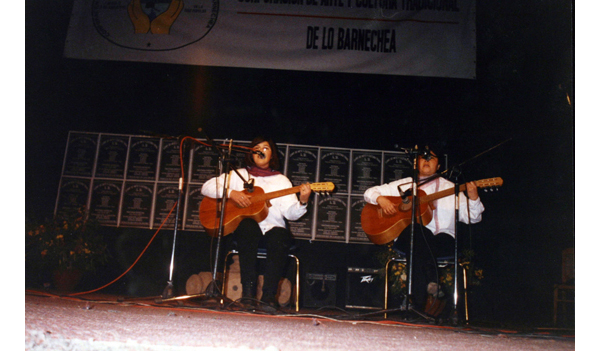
<point>319,290</point>
<point>365,288</point>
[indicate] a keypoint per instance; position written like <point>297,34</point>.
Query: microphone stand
<point>168,291</point>
<point>454,316</point>
<point>457,169</point>
<point>212,290</point>
<point>407,303</point>
<point>167,294</point>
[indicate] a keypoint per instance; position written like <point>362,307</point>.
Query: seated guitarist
<point>261,166</point>
<point>436,238</point>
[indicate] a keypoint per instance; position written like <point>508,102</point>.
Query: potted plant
<point>397,278</point>
<point>67,246</point>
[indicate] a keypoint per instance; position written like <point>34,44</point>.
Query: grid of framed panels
<point>133,181</point>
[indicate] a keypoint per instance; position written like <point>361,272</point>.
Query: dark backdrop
<point>522,97</point>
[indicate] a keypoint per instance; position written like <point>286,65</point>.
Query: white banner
<point>433,38</point>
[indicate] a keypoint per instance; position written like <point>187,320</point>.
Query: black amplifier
<point>365,288</point>
<point>319,290</point>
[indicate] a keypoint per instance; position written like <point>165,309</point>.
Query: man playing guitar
<point>433,235</point>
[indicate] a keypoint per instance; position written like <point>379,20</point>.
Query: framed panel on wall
<point>80,156</point>
<point>301,165</point>
<point>332,218</point>
<point>396,166</point>
<point>167,195</point>
<point>191,214</point>
<point>366,170</point>
<point>204,164</point>
<point>334,166</point>
<point>106,201</point>
<point>356,233</point>
<point>112,156</point>
<point>137,204</point>
<point>169,166</point>
<point>73,194</point>
<point>143,158</point>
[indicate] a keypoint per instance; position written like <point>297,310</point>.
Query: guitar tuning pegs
<point>492,189</point>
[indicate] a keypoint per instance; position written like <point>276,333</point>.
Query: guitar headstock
<point>489,183</point>
<point>323,188</point>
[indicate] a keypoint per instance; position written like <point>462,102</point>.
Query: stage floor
<point>104,322</point>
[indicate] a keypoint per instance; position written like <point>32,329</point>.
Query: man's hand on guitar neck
<point>387,206</point>
<point>472,191</point>
<point>305,191</point>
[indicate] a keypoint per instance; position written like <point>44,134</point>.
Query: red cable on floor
<point>134,263</point>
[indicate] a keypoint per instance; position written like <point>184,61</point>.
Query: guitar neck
<point>441,194</point>
<point>279,193</point>
<point>482,183</point>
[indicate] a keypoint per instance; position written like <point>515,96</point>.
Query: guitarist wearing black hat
<point>389,205</point>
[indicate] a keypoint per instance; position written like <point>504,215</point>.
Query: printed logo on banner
<point>154,25</point>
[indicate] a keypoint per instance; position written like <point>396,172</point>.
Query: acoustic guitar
<point>381,228</point>
<point>259,209</point>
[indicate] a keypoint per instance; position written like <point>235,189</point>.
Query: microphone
<point>209,139</point>
<point>259,153</point>
<point>249,185</point>
<point>427,155</point>
<point>404,194</point>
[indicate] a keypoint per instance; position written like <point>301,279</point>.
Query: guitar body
<point>210,208</point>
<point>381,228</point>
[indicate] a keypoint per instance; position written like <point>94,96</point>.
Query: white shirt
<point>284,207</point>
<point>443,213</point>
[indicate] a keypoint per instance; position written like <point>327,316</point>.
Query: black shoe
<point>268,303</point>
<point>249,295</point>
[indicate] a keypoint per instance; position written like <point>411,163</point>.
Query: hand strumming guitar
<point>240,198</point>
<point>387,206</point>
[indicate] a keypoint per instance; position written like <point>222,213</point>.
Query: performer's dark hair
<point>274,162</point>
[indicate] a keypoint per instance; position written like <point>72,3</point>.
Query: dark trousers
<point>427,247</point>
<point>277,241</point>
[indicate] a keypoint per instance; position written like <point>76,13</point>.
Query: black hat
<point>438,147</point>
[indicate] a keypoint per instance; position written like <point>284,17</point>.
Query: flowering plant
<point>69,242</point>
<point>398,273</point>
